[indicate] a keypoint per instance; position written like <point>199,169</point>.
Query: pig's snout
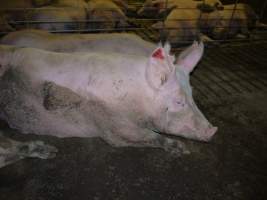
<point>208,133</point>
<point>196,128</point>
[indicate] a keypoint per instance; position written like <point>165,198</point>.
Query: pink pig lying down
<point>125,99</point>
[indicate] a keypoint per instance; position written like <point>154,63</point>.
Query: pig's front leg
<point>174,146</point>
<point>137,137</point>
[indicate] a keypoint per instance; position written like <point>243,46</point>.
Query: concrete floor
<point>230,88</point>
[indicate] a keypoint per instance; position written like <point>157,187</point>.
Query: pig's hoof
<point>175,147</point>
<point>37,149</point>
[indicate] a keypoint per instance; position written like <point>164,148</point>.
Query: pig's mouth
<point>169,135</point>
<point>201,136</point>
<point>176,137</point>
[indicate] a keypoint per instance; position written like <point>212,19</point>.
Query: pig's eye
<point>180,103</point>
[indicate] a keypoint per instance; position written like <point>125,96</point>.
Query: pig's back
<point>92,71</point>
<point>114,42</point>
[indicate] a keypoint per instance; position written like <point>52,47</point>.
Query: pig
<point>152,8</point>
<point>184,25</point>
<point>180,25</point>
<point>105,15</point>
<point>148,10</point>
<point>125,99</point>
<point>59,18</point>
<point>235,22</point>
<point>70,3</point>
<point>12,150</point>
<point>163,8</point>
<point>217,4</point>
<point>72,43</point>
<point>14,10</point>
<point>208,22</point>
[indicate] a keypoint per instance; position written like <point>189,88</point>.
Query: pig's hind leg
<point>36,149</point>
<point>12,151</point>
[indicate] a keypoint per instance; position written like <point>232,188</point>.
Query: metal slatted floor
<point>231,71</point>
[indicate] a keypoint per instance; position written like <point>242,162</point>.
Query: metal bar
<point>162,39</point>
<point>263,9</point>
<point>199,19</point>
<point>230,22</point>
<point>54,21</point>
<point>73,7</point>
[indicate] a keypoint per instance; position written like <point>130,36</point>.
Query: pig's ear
<point>159,68</point>
<point>189,58</point>
<point>167,48</point>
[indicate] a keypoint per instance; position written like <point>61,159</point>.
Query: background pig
<point>70,3</point>
<point>58,14</point>
<point>209,21</point>
<point>152,8</point>
<point>189,24</point>
<point>12,151</point>
<point>105,14</point>
<point>162,8</point>
<point>177,26</point>
<point>59,18</point>
<point>217,4</point>
<point>126,99</point>
<point>234,22</point>
<point>148,10</point>
<point>19,14</point>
